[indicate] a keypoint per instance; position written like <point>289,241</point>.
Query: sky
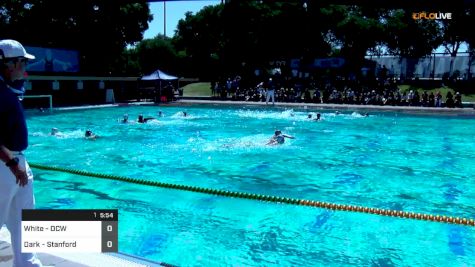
<point>175,10</point>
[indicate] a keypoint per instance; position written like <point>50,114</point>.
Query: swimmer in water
<point>90,135</point>
<point>125,119</point>
<point>141,119</point>
<point>278,138</point>
<point>55,132</point>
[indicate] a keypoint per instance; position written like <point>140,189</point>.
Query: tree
<point>199,39</point>
<point>99,29</point>
<point>157,53</point>
<point>12,15</point>
<point>453,33</point>
<point>353,30</point>
<point>409,38</point>
<point>242,33</point>
<point>470,37</point>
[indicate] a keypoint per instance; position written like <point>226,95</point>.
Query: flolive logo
<point>431,15</point>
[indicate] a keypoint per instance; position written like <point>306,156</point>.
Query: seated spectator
<point>307,98</point>
<point>438,99</point>
<point>458,100</point>
<point>431,102</point>
<point>317,96</point>
<point>449,102</point>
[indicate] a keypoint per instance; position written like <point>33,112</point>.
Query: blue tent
<point>159,75</point>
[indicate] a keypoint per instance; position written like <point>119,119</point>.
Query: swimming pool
<point>387,160</point>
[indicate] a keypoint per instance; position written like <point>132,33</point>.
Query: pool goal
<point>40,104</point>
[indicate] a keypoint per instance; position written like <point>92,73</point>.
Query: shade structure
<point>159,75</point>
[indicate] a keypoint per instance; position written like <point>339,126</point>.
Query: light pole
<point>164,19</point>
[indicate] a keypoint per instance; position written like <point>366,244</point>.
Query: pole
<point>469,71</point>
<point>164,18</point>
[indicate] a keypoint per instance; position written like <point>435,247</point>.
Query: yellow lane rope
<point>275,199</point>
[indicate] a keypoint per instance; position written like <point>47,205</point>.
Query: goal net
<point>44,102</point>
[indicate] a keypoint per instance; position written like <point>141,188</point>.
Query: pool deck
<point>341,107</point>
<point>74,259</point>
<point>312,107</point>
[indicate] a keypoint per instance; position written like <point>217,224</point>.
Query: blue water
<point>388,160</point>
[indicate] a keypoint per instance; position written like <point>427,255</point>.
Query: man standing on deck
<point>16,178</point>
<point>270,91</point>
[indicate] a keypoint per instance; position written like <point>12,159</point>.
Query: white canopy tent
<point>160,76</point>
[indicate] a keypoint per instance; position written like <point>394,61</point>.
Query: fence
<point>432,67</point>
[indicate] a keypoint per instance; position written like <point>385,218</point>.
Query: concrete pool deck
<point>464,112</point>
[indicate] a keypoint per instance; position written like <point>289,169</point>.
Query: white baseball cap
<point>11,49</point>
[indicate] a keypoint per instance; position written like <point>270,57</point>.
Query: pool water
<point>387,160</point>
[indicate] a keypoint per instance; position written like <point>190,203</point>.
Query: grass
<point>197,89</point>
<point>203,89</point>
<point>443,91</point>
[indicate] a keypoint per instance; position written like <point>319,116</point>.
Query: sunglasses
<point>19,59</point>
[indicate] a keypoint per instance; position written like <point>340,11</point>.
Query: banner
<point>52,60</point>
<point>326,63</point>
